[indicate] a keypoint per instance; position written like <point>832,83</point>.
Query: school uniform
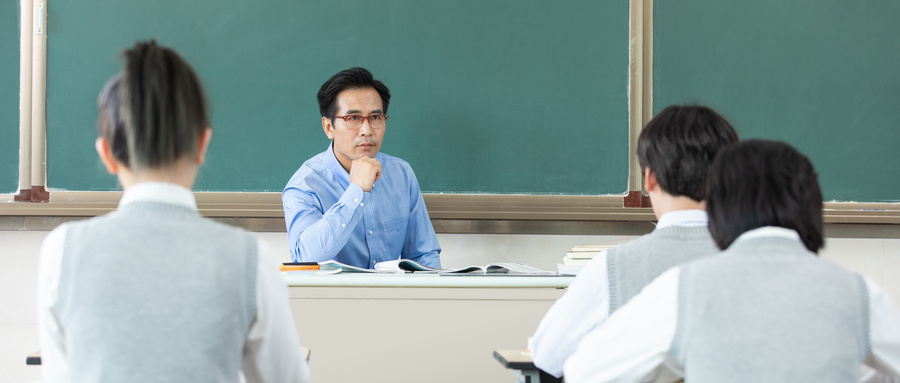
<point>765,310</point>
<point>155,292</point>
<point>611,279</point>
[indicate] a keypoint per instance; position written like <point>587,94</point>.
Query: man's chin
<point>369,152</point>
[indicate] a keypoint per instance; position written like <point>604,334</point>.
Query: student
<point>675,150</point>
<point>767,309</point>
<point>352,203</point>
<point>153,292</point>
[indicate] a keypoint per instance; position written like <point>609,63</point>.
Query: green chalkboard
<point>822,75</point>
<point>499,97</point>
<point>9,96</point>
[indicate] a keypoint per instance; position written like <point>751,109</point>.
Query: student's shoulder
<point>226,229</point>
<point>651,239</point>
<point>662,239</point>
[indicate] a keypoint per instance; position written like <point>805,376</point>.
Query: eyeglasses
<point>354,121</point>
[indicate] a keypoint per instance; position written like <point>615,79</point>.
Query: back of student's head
<point>353,78</point>
<point>679,144</point>
<point>759,183</point>
<point>154,111</point>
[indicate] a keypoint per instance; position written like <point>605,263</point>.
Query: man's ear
<point>650,181</point>
<point>328,127</point>
<point>106,156</point>
<point>204,144</point>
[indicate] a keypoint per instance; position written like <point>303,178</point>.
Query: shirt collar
<point>163,192</point>
<point>769,232</point>
<point>342,175</point>
<point>692,217</point>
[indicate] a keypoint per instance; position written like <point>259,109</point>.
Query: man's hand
<point>364,171</point>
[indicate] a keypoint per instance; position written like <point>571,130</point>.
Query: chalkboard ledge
<point>445,207</point>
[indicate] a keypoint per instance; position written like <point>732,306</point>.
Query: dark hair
<point>154,111</point>
<point>679,144</point>
<point>353,78</point>
<point>759,183</point>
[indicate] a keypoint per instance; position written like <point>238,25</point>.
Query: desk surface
<point>425,280</point>
<point>515,359</point>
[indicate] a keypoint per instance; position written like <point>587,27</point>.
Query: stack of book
<point>579,256</point>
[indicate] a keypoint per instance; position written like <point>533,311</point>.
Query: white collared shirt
<point>633,345</point>
<point>585,304</point>
<point>272,350</point>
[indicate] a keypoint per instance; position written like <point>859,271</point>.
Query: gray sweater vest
<point>768,310</point>
<point>635,264</point>
<point>154,292</point>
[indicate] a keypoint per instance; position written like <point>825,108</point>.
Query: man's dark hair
<point>154,111</point>
<point>353,78</point>
<point>759,183</point>
<point>679,144</point>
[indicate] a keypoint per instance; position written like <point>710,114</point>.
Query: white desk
<point>426,280</point>
<point>416,328</point>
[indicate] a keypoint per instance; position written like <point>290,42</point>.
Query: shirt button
<point>373,262</point>
<point>343,225</point>
<point>370,231</point>
<point>362,204</point>
<point>356,200</point>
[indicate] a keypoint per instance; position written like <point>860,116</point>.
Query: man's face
<point>352,144</point>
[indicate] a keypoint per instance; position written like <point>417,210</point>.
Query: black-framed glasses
<point>354,121</point>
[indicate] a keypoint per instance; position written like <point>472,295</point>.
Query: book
<point>583,254</point>
<point>338,267</point>
<point>508,268</point>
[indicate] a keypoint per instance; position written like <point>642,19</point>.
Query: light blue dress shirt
<point>327,217</point>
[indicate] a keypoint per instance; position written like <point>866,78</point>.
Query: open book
<point>507,268</point>
<point>333,267</point>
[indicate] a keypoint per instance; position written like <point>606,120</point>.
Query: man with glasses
<point>351,203</point>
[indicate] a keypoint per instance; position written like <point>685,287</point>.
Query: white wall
<point>878,259</point>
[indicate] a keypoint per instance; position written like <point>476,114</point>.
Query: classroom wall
<point>878,259</point>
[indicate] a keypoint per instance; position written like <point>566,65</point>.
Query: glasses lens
<point>353,122</point>
<point>377,120</point>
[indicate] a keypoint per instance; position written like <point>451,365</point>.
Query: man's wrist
<point>353,195</point>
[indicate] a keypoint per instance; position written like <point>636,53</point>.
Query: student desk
<point>416,328</point>
<point>523,366</point>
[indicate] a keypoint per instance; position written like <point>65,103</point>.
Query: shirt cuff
<point>354,196</point>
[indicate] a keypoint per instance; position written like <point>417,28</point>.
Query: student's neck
<point>179,174</point>
<point>664,203</point>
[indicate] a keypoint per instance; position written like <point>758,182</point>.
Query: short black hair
<point>353,78</point>
<point>759,183</point>
<point>679,144</point>
<point>154,111</point>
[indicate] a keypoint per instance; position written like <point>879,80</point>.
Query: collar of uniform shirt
<point>163,192</point>
<point>769,232</point>
<point>690,217</point>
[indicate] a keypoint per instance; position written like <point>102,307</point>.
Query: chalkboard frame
<point>250,206</point>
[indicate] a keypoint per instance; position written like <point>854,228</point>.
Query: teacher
<point>352,203</point>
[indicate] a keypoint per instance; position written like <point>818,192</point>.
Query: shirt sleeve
<point>884,332</point>
<point>317,236</point>
<point>584,306</point>
<point>54,366</point>
<point>634,342</point>
<point>421,241</point>
<point>272,350</point>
